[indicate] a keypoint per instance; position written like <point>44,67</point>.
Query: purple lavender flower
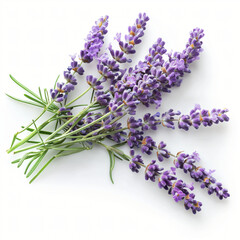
<point>114,107</point>
<point>193,47</point>
<point>152,170</point>
<point>191,203</point>
<point>200,174</point>
<point>130,101</point>
<point>129,81</point>
<point>200,116</point>
<point>75,66</point>
<point>179,190</point>
<point>185,162</point>
<point>134,164</point>
<point>134,138</point>
<point>109,69</point>
<point>110,63</point>
<point>132,123</point>
<point>70,78</point>
<point>154,58</point>
<point>119,136</point>
<point>150,121</point>
<point>168,118</point>
<point>219,115</point>
<point>94,40</point>
<point>92,47</point>
<point>141,21</point>
<point>178,195</point>
<point>94,83</point>
<point>105,72</point>
<point>162,152</point>
<point>102,97</point>
<point>148,145</point>
<point>133,38</point>
<point>61,92</point>
<point>166,178</point>
<point>216,187</point>
<point>118,55</point>
<point>135,135</point>
<point>184,122</point>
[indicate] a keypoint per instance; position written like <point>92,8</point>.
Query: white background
<point>74,198</point>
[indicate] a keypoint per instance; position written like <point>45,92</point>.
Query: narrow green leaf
<point>35,100</point>
<point>55,84</point>
<point>120,153</point>
<point>41,170</point>
<point>118,157</point>
<point>14,138</point>
<point>40,131</point>
<point>112,163</point>
<point>56,125</point>
<point>93,91</point>
<point>16,161</point>
<point>67,149</point>
<point>29,164</point>
<point>30,156</point>
<point>23,158</point>
<point>24,87</point>
<point>36,163</point>
<point>46,95</point>
<point>40,93</point>
<point>29,141</point>
<point>23,101</point>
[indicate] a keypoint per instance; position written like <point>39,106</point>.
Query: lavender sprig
<point>116,93</point>
<point>168,181</point>
<point>92,47</point>
<point>200,174</point>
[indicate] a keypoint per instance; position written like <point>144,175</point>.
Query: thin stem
<point>82,139</point>
<point>24,140</point>
<point>38,132</point>
<point>30,135</point>
<point>69,121</point>
<point>48,140</point>
<point>75,99</point>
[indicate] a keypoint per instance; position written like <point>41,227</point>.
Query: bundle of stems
<point>116,93</point>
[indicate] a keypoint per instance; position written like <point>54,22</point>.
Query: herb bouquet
<point>108,120</point>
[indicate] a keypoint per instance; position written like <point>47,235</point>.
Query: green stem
<point>75,99</point>
<point>115,150</point>
<point>79,140</point>
<point>69,121</point>
<point>42,169</point>
<point>36,163</point>
<point>30,135</point>
<point>83,127</point>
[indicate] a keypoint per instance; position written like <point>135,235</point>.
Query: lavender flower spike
<point>179,190</point>
<point>133,38</point>
<point>200,116</point>
<point>200,174</point>
<point>94,40</point>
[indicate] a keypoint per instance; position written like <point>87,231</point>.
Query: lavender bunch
<point>109,118</point>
